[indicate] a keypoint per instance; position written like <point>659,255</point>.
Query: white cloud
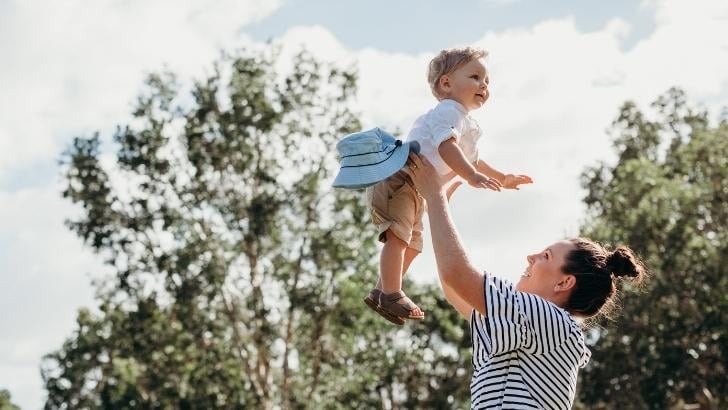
<point>46,276</point>
<point>71,68</point>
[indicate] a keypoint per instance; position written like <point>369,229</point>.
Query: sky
<point>559,72</point>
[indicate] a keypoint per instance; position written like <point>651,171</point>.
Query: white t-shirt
<point>526,353</point>
<point>448,118</point>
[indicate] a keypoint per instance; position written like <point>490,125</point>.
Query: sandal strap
<point>398,303</point>
<point>392,297</point>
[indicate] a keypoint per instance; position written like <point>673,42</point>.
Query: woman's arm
<point>453,265</point>
<point>456,301</point>
<point>463,308</point>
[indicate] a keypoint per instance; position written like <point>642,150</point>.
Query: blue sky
<point>559,71</point>
<point>414,26</point>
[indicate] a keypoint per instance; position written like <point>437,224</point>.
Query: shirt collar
<point>455,104</point>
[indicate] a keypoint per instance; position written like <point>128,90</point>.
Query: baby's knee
<point>392,240</point>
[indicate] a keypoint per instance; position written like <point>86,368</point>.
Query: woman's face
<point>543,275</point>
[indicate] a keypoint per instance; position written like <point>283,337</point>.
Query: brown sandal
<point>372,300</point>
<point>399,304</point>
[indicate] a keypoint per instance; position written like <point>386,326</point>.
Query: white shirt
<point>526,352</point>
<point>448,119</point>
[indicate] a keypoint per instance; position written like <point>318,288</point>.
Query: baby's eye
<point>474,77</point>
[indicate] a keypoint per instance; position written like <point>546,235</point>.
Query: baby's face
<point>467,85</point>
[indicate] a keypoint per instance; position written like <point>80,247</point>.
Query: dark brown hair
<point>597,270</point>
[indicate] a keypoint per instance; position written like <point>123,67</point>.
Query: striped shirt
<point>526,352</point>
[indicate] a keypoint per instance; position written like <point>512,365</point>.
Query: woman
<point>527,344</point>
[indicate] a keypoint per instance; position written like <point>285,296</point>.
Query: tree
<point>5,403</point>
<point>667,197</point>
<point>238,272</point>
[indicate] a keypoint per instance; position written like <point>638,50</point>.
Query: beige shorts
<point>396,205</point>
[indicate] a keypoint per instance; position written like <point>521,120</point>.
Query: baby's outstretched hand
<point>511,181</point>
<point>479,180</point>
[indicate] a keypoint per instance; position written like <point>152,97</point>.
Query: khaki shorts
<point>396,205</point>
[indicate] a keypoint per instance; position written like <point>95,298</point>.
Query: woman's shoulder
<point>531,305</point>
<point>537,306</point>
<point>534,307</point>
<point>501,283</point>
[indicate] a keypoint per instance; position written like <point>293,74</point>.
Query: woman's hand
<point>425,177</point>
<point>419,163</point>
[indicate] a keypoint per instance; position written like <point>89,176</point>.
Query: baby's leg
<point>390,264</point>
<point>409,255</point>
<point>394,257</point>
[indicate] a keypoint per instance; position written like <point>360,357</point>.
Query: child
<point>447,137</point>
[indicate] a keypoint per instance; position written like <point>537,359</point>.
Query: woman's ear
<point>565,284</point>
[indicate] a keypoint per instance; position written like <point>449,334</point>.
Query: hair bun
<point>623,262</point>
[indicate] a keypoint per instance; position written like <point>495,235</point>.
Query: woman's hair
<point>596,271</point>
<point>448,61</point>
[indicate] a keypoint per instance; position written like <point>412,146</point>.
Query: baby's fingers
<point>491,185</point>
<point>525,179</point>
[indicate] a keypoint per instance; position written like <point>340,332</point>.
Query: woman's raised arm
<point>453,265</point>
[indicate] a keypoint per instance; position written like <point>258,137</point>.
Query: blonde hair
<point>448,61</point>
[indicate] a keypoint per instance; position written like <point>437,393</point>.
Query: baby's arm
<point>508,181</point>
<point>455,159</point>
<point>486,169</point>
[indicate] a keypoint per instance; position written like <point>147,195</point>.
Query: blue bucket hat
<point>368,157</point>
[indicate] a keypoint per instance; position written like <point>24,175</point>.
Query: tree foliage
<point>5,401</point>
<point>667,197</point>
<point>238,272</point>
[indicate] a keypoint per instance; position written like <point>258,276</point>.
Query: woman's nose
<point>530,259</point>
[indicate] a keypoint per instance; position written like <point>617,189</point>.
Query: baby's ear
<point>444,81</point>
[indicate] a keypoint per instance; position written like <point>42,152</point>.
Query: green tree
<point>238,271</point>
<point>5,403</point>
<point>667,197</point>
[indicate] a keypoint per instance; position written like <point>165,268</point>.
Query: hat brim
<point>367,175</point>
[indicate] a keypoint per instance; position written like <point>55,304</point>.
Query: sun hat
<point>368,157</point>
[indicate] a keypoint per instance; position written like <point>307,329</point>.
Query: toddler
<point>447,136</point>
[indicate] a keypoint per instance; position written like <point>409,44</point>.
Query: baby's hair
<point>596,270</point>
<point>448,61</point>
